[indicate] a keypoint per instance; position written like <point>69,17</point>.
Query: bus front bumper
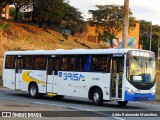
<point>139,97</point>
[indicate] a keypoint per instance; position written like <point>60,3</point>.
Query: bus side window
<point>109,65</point>
<point>56,65</point>
<point>78,64</point>
<point>121,65</point>
<point>87,63</point>
<point>73,63</point>
<point>53,65</point>
<point>29,62</point>
<point>19,64</point>
<point>64,63</point>
<point>68,63</point>
<point>50,66</point>
<point>100,63</point>
<point>10,62</point>
<point>40,63</point>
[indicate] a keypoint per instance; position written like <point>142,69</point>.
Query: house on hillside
<point>5,12</point>
<point>133,36</point>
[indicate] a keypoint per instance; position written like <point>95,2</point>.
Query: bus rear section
<point>9,75</point>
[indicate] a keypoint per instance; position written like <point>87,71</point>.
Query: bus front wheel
<point>122,103</point>
<point>33,90</point>
<point>97,97</point>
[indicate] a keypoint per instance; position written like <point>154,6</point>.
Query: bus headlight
<point>129,91</point>
<point>153,92</point>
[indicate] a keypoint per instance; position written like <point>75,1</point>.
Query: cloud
<point>83,5</point>
<point>104,2</point>
<point>148,11</point>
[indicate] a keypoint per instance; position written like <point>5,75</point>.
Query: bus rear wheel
<point>33,90</point>
<point>97,97</point>
<point>122,103</point>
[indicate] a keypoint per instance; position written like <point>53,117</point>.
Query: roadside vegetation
<point>158,87</point>
<point>3,27</point>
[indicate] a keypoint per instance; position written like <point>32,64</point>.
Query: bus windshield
<point>141,69</point>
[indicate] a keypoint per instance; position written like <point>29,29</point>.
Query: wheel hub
<point>96,97</point>
<point>33,91</point>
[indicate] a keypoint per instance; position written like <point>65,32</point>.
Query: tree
<point>145,35</point>
<point>110,19</point>
<point>144,31</point>
<point>1,8</point>
<point>48,11</point>
<point>18,5</point>
<point>73,19</point>
<point>58,12</point>
<point>12,12</point>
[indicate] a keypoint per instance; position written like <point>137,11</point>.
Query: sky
<point>148,10</point>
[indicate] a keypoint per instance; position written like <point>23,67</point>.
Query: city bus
<point>99,75</point>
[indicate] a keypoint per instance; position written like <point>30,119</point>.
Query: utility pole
<point>158,54</point>
<point>150,43</point>
<point>125,24</point>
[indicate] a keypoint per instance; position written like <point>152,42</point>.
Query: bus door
<point>117,65</point>
<point>50,74</point>
<point>18,70</point>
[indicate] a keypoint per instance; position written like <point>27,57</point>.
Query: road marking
<point>109,115</point>
<point>77,108</point>
<point>63,106</point>
<point>146,104</point>
<point>119,118</point>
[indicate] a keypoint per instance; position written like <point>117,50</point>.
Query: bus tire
<point>33,90</point>
<point>122,103</point>
<point>97,97</point>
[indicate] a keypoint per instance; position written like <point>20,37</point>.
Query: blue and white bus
<point>121,75</point>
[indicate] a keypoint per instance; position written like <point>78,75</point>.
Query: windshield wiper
<point>140,64</point>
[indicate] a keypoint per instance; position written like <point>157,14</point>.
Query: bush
<point>65,35</point>
<point>3,27</point>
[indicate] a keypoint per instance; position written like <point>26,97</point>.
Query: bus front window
<point>141,70</point>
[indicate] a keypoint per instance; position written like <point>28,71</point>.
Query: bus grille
<point>143,87</point>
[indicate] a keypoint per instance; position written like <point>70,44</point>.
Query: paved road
<point>79,104</point>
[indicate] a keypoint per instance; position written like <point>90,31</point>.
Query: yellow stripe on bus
<point>29,79</point>
<point>51,94</point>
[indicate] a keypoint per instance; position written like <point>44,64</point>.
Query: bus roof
<point>70,52</point>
